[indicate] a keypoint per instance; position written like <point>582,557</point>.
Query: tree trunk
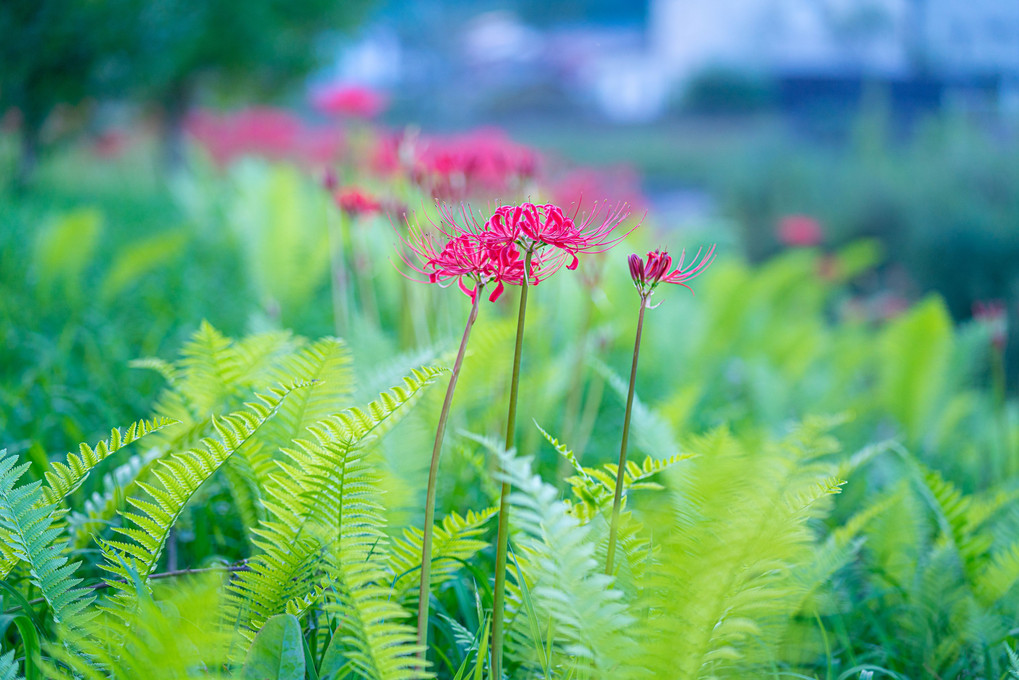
<point>176,105</point>
<point>29,156</point>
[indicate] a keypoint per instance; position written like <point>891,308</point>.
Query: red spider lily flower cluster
<point>579,185</point>
<point>647,274</point>
<point>266,132</point>
<point>993,315</point>
<point>473,255</point>
<point>799,231</point>
<point>356,202</point>
<point>533,227</point>
<point>355,101</point>
<point>483,163</point>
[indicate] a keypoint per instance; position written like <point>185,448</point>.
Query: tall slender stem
<point>502,541</point>
<point>433,471</point>
<point>1001,404</point>
<point>339,274</point>
<point>621,472</point>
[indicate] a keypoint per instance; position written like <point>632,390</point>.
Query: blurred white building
<point>877,37</point>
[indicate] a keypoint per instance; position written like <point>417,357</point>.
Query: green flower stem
<point>1001,404</point>
<point>502,541</point>
<point>338,279</point>
<point>621,472</point>
<point>433,471</point>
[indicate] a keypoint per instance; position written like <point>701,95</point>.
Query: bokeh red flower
<point>799,231</point>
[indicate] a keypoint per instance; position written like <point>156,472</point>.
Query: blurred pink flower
<point>355,101</point>
<point>110,144</point>
<point>262,131</point>
<point>356,202</point>
<point>483,163</point>
<point>799,231</point>
<point>584,184</point>
<point>992,315</point>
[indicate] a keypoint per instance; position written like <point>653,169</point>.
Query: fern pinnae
<point>62,479</point>
<point>32,537</point>
<point>590,620</point>
<point>180,477</point>
<point>8,667</point>
<point>326,491</point>
<point>455,541</point>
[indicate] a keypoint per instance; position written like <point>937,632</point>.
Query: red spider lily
<point>534,226</point>
<point>349,100</point>
<point>467,257</point>
<point>484,162</point>
<point>799,231</point>
<point>992,315</point>
<point>648,274</point>
<point>356,202</point>
<point>265,132</point>
<point>579,185</point>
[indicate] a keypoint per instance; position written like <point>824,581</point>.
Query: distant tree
<point>48,53</point>
<point>254,47</point>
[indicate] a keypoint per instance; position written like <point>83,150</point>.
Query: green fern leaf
<point>999,576</point>
<point>180,476</point>
<point>370,636</point>
<point>9,667</point>
<point>29,526</point>
<point>63,479</point>
<point>455,540</point>
<point>327,491</point>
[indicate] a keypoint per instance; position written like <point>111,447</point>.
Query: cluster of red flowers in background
<point>473,254</point>
<point>354,101</point>
<point>482,163</point>
<point>268,132</point>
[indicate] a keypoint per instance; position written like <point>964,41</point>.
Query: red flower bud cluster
<point>647,274</point>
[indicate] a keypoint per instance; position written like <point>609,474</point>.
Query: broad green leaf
<point>277,652</point>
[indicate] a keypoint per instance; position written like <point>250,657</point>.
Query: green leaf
<point>277,652</point>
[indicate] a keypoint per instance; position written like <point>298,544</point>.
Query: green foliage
<point>179,479</point>
<point>915,356</point>
<point>28,523</point>
<point>65,247</point>
<point>277,652</point>
<point>324,492</point>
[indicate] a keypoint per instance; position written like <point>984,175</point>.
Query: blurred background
<point>762,125</point>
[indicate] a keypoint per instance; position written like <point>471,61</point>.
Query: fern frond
<point>63,479</point>
<point>374,642</point>
<point>594,488</point>
<point>588,618</point>
<point>455,540</point>
<point>951,508</point>
<point>327,491</point>
<point>31,535</point>
<point>999,576</point>
<point>169,636</point>
<point>651,432</point>
<point>9,667</point>
<point>728,577</point>
<point>180,476</point>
